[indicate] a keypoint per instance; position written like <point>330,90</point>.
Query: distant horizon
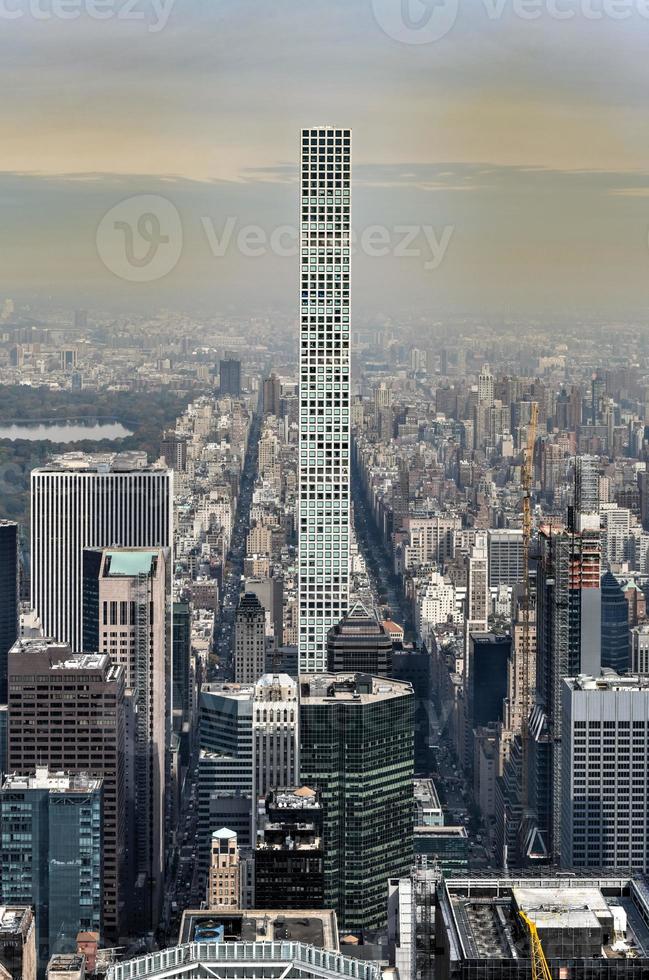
<point>522,166</point>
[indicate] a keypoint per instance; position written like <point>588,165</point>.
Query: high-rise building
<point>126,614</point>
<point>359,642</point>
<point>8,597</point>
<point>74,721</point>
<point>51,833</point>
<point>224,885</point>
<point>249,639</point>
<point>587,484</point>
<point>249,742</point>
<point>174,450</point>
<point>324,507</point>
<point>182,649</point>
<point>275,734</point>
<point>270,592</point>
<point>230,377</point>
<point>505,548</point>
<point>640,650</point>
<point>90,501</point>
<point>225,765</point>
<point>489,656</point>
<point>615,625</point>
<point>17,943</point>
<point>289,851</point>
<point>476,613</point>
<point>272,395</point>
<point>568,631</point>
<point>605,795</point>
<point>486,387</point>
<point>356,748</point>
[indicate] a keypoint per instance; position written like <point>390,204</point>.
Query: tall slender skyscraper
<point>8,597</point>
<point>324,389</point>
<point>90,501</point>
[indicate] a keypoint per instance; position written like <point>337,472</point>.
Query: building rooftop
<point>252,960</point>
<point>59,782</point>
<point>61,656</point>
<point>609,681</point>
<point>110,462</point>
<point>83,661</point>
<point>350,688</point>
<point>315,927</point>
<point>224,834</point>
<point>359,621</point>
<point>15,920</point>
<point>579,915</point>
<point>303,798</point>
<point>130,562</point>
<point>425,792</point>
<point>65,963</point>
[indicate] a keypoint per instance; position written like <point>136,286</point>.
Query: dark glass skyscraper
<point>356,748</point>
<point>51,852</point>
<point>615,625</point>
<point>8,597</point>
<point>359,642</point>
<point>230,377</point>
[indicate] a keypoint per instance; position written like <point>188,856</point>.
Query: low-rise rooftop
<point>350,688</point>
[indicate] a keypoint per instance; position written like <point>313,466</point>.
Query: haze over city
<point>519,132</point>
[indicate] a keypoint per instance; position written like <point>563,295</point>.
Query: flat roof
<point>352,688</point>
<point>316,927</point>
<point>609,681</point>
<point>58,782</point>
<point>114,462</point>
<point>480,910</point>
<point>559,908</point>
<point>129,563</point>
<point>14,918</point>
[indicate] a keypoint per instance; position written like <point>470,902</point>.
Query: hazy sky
<point>515,145</point>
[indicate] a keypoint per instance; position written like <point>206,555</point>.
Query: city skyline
<point>324,630</point>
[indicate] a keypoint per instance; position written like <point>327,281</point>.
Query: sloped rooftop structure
<point>244,961</point>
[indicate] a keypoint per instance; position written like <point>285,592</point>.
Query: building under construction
<point>588,927</point>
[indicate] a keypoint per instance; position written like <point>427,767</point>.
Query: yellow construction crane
<point>526,481</point>
<point>540,968</point>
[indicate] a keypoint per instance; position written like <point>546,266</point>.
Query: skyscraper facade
<point>324,507</point>
<point>223,886</point>
<point>568,623</point>
<point>249,639</point>
<point>8,597</point>
<point>605,797</point>
<point>289,853</point>
<point>230,377</point>
<point>51,830</point>
<point>90,501</point>
<point>615,625</point>
<point>74,721</point>
<point>356,748</point>
<point>127,615</point>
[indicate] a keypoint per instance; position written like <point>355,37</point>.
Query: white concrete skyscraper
<point>90,501</point>
<point>324,389</point>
